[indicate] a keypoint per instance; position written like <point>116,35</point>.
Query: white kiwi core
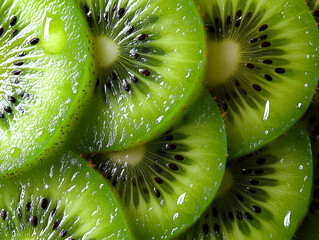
<point>226,184</point>
<point>106,51</point>
<point>223,60</point>
<point>131,156</point>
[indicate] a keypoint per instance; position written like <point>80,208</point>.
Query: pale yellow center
<point>106,51</point>
<point>223,60</point>
<point>131,156</point>
<point>226,184</point>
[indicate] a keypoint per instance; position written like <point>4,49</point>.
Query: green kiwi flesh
<point>46,73</point>
<point>166,184</point>
<point>60,199</point>
<point>264,195</point>
<point>150,58</point>
<point>263,66</point>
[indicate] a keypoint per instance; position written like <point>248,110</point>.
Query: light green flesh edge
<point>85,206</point>
<point>286,204</point>
<point>253,128</point>
<point>153,103</point>
<point>58,78</point>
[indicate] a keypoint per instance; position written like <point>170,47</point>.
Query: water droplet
<point>15,152</point>
<point>287,219</point>
<point>266,112</point>
<point>181,199</point>
<point>53,34</point>
<point>175,216</point>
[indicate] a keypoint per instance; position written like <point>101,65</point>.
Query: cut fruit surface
<point>264,195</point>
<point>150,58</point>
<point>60,199</point>
<point>46,76</point>
<point>262,66</point>
<point>166,184</point>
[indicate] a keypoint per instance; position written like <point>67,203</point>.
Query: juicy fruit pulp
<point>60,199</point>
<point>167,183</point>
<point>266,85</point>
<point>264,195</point>
<point>150,57</point>
<point>45,78</point>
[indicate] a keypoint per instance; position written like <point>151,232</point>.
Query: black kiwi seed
<point>248,216</point>
<point>18,63</point>
<point>34,221</point>
<point>145,72</point>
<point>7,109</point>
<point>130,30</point>
<point>158,180</point>
<point>55,225</point>
<point>256,87</point>
<point>28,206</point>
<point>263,27</point>
<point>267,61</point>
<point>120,13</point>
<point>179,157</point>
<point>173,166</point>
<point>170,146</point>
<point>3,214</point>
<point>13,20</point>
<point>1,31</point>
<point>265,44</point>
<point>15,32</point>
<point>205,228</point>
<point>216,228</point>
<point>168,138</point>
<point>268,77</point>
<point>1,115</point>
<point>34,41</point>
<point>157,192</point>
<point>142,37</point>
<point>246,171</point>
<point>214,211</point>
<point>53,212</point>
<point>260,161</point>
<point>12,99</point>
<point>280,70</point>
<point>17,72</point>
<point>256,209</point>
<point>63,233</point>
<point>239,215</point>
<point>250,65</point>
<point>253,181</point>
<point>44,203</point>
<point>22,54</point>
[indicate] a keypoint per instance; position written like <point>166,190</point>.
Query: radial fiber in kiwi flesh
<point>61,199</point>
<point>262,66</point>
<point>45,75</point>
<point>264,195</point>
<point>166,184</point>
<point>150,57</point>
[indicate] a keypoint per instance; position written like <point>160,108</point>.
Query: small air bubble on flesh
<point>300,167</point>
<point>176,215</point>
<point>266,132</point>
<point>299,105</point>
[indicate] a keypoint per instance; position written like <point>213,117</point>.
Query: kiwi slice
<point>314,8</point>
<point>150,57</point>
<point>46,76</point>
<point>61,199</point>
<point>264,195</point>
<point>309,229</point>
<point>262,66</point>
<point>167,183</point>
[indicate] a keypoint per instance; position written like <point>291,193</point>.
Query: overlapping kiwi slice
<point>45,73</point>
<point>264,195</point>
<point>262,67</point>
<point>314,8</point>
<point>150,57</point>
<point>309,227</point>
<point>60,199</point>
<point>166,184</point>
